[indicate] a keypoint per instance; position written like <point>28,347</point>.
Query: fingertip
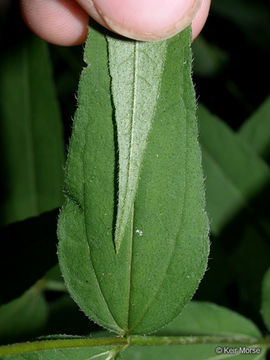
<point>200,18</point>
<point>150,20</point>
<point>60,22</point>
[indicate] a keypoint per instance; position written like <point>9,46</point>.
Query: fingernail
<point>146,20</point>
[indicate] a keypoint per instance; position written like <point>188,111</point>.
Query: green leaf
<point>266,299</point>
<point>256,130</point>
<point>200,318</point>
<point>54,274</point>
<point>189,352</point>
<point>205,318</point>
<point>238,216</point>
<point>136,69</point>
<point>164,250</point>
<point>90,353</point>
<point>208,59</point>
<point>32,147</point>
<point>23,317</point>
<point>234,174</point>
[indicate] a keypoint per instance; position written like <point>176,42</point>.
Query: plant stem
<point>132,340</point>
<point>196,340</point>
<point>52,285</point>
<point>21,348</point>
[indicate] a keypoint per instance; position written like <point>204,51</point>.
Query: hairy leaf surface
<point>134,157</point>
<point>136,69</point>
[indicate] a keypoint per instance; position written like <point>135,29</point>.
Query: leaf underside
<point>133,231</point>
<point>136,70</point>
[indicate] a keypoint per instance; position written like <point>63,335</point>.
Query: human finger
<point>61,22</point>
<point>200,18</point>
<point>150,20</point>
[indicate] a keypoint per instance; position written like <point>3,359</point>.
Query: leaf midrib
<point>120,229</point>
<point>135,69</point>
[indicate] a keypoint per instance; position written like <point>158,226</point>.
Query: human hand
<point>65,22</point>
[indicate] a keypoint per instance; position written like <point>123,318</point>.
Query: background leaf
<point>266,299</point>
<point>209,60</point>
<point>176,352</point>
<point>101,353</point>
<point>234,174</point>
<point>167,235</point>
<point>256,130</point>
<point>204,318</point>
<point>237,191</point>
<point>23,317</point>
<point>199,318</point>
<point>32,147</point>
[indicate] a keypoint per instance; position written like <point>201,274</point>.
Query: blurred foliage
<point>256,131</point>
<point>237,91</point>
<point>231,72</point>
<point>23,317</point>
<point>31,134</point>
<point>240,29</point>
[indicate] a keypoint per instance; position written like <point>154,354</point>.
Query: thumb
<point>148,20</point>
